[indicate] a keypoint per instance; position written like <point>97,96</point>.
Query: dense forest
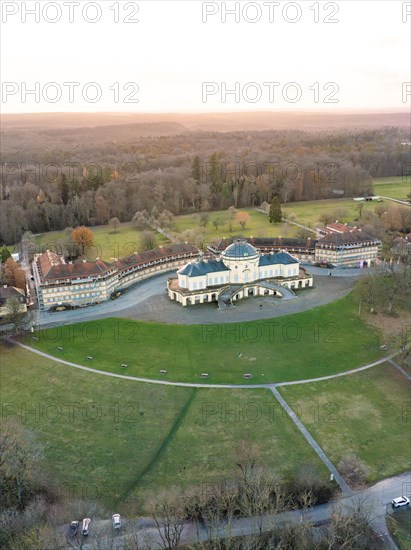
<point>54,178</point>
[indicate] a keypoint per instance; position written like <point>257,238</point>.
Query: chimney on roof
<point>84,261</point>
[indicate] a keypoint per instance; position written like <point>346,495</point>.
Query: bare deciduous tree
<point>140,219</point>
<point>114,223</point>
<point>169,515</point>
<point>16,315</point>
<point>353,470</point>
<point>148,240</point>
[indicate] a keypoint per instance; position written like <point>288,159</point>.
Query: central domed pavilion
<point>240,250</point>
<point>240,271</point>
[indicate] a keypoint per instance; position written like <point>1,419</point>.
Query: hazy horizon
<point>205,57</point>
<point>382,110</point>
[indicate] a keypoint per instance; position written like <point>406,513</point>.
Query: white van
<point>116,518</point>
<point>85,527</point>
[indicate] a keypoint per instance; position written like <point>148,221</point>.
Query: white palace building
<point>238,272</point>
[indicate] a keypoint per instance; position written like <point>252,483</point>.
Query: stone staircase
<point>224,300</point>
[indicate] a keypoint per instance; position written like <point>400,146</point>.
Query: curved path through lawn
<point>200,385</point>
<point>380,527</point>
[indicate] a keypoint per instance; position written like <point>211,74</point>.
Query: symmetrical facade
<point>239,272</point>
<point>61,284</point>
<point>236,269</point>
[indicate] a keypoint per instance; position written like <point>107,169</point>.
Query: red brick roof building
<point>80,283</point>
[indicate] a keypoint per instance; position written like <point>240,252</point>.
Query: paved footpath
<point>347,491</point>
<point>402,371</point>
<point>197,384</point>
<point>246,526</point>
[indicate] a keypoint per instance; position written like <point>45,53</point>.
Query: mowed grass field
<point>115,440</point>
<point>257,226</point>
<point>308,213</point>
<point>108,244</point>
<point>319,342</point>
<point>396,187</point>
<point>203,446</point>
<point>366,414</point>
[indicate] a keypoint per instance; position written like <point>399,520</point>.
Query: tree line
<point>196,172</point>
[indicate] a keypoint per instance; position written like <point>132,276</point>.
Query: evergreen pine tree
<point>275,213</point>
<point>64,189</point>
<point>196,169</point>
<point>215,173</point>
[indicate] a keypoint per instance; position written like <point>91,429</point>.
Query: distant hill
<point>115,132</point>
<point>127,125</point>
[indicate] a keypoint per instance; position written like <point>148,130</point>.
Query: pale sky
<point>361,61</point>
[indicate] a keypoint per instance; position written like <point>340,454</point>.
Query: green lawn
<point>397,187</point>
<point>114,440</point>
<point>99,433</point>
<point>333,339</point>
<point>366,414</point>
<point>399,526</point>
<point>108,244</point>
<point>204,446</point>
<point>257,226</point>
<point>309,212</point>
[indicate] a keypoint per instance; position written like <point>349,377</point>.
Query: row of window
<point>70,297</point>
<point>221,280</point>
<point>75,288</point>
<point>97,288</point>
<point>71,289</point>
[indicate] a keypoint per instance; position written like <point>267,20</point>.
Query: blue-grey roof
<point>279,258</point>
<point>240,250</point>
<point>202,268</point>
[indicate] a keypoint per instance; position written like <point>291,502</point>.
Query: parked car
<point>400,501</point>
<point>116,521</point>
<point>85,527</point>
<point>73,528</point>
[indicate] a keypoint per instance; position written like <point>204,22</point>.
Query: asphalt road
<point>376,499</point>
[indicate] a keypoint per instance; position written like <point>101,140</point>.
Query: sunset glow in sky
<point>205,56</point>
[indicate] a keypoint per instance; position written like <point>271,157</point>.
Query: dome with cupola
<point>240,250</point>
